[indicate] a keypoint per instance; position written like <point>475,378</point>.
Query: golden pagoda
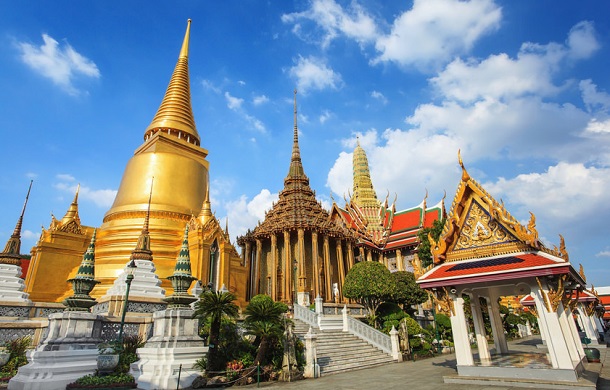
<point>171,153</point>
<point>297,252</point>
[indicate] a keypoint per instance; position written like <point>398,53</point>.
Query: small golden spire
<point>465,175</point>
<point>175,115</point>
<point>206,209</point>
<point>72,213</point>
<point>11,255</point>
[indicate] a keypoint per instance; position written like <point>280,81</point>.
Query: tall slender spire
<point>175,115</point>
<point>296,166</point>
<point>143,251</point>
<point>206,208</point>
<point>10,255</point>
<point>364,193</point>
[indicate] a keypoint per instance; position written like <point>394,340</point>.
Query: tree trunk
<point>262,351</point>
<point>212,364</point>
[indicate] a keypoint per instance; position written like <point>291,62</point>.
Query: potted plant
<point>592,354</point>
<point>108,358</point>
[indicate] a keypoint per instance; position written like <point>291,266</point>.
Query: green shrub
<point>16,348</point>
<point>107,380</point>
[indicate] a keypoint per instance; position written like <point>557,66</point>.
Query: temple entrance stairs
<point>339,351</point>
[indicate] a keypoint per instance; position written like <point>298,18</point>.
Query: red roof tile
<point>496,268</point>
<point>407,220</point>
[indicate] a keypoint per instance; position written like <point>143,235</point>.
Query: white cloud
<point>207,84</point>
<point>595,126</point>
<point>313,74</point>
<point>233,103</point>
<point>29,235</point>
<point>325,116</point>
<point>435,31</point>
<point>379,96</point>
<point>582,41</point>
<point>65,177</point>
<point>353,22</point>
<point>256,123</point>
<point>258,100</point>
<point>60,64</point>
<point>593,99</point>
<point>244,214</point>
<point>605,253</point>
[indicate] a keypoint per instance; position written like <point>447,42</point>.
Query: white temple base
<point>175,344</point>
<point>68,353</point>
<point>53,370</point>
<point>11,285</point>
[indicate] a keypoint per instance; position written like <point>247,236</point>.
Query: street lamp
<point>295,264</point>
<point>130,270</point>
<point>439,347</point>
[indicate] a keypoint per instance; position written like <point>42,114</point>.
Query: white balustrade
<point>369,334</point>
<point>304,314</point>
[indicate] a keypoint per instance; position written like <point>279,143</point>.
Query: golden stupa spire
<point>143,251</point>
<point>175,115</point>
<point>206,209</point>
<point>296,166</point>
<point>72,213</point>
<point>364,193</point>
<point>11,255</point>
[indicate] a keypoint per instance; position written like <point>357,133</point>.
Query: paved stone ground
<point>424,374</point>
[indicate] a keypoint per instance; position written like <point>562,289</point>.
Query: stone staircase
<point>340,351</point>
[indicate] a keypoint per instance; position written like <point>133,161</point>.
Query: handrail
<point>369,334</point>
<point>304,314</point>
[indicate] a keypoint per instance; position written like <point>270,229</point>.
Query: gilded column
<point>259,251</point>
<point>316,268</point>
<point>301,260</point>
<point>274,267</point>
<point>341,269</point>
<point>328,284</point>
<point>287,268</point>
<point>350,255</point>
<point>362,254</point>
<point>369,255</point>
<point>399,263</point>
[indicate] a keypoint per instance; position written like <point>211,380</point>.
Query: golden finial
<point>184,52</point>
<point>10,255</point>
<point>581,272</point>
<point>465,175</point>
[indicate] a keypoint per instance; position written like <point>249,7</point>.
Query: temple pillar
<point>479,329</point>
<point>314,261</point>
<point>259,253</point>
<point>274,265</point>
<point>568,327</point>
<point>341,269</point>
<point>350,254</point>
<point>497,329</point>
<point>302,293</point>
<point>288,286</point>
<point>369,255</point>
<point>459,327</point>
<point>587,324</point>
<point>556,344</point>
<point>328,285</point>
<point>399,263</point>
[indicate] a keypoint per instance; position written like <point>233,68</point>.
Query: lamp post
<point>295,264</point>
<point>130,270</point>
<point>439,347</point>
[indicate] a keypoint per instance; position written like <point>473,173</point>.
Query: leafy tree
<point>370,284</point>
<point>215,305</point>
<point>265,320</point>
<point>407,292</point>
<point>423,250</point>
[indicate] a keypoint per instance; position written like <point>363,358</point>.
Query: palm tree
<point>215,305</point>
<point>265,320</point>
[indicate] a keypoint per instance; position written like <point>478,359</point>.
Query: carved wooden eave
<point>478,226</point>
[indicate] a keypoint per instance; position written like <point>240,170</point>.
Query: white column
<point>459,328</point>
<point>566,319</point>
<point>558,349</point>
<point>587,324</point>
<point>479,329</point>
<point>311,366</point>
<point>496,324</point>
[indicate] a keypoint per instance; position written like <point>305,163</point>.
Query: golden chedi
<point>172,155</point>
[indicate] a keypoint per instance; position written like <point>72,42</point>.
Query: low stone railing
<point>304,314</point>
<point>388,344</point>
<point>367,333</point>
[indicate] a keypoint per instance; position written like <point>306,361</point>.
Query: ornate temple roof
<point>297,207</point>
<point>377,224</point>
<point>175,114</point>
<point>482,242</point>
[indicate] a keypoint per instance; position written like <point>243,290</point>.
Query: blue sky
<point>521,87</point>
